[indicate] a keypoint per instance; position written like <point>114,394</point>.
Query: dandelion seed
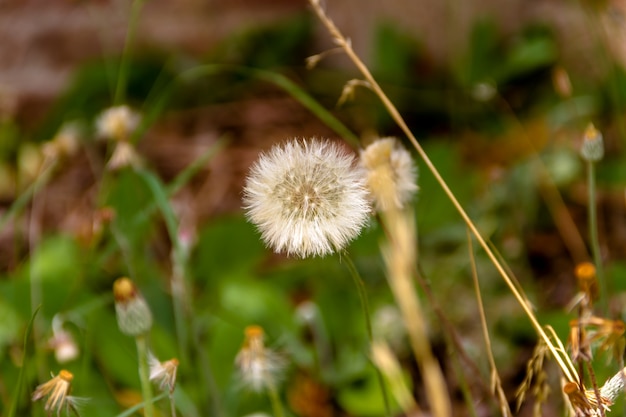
<point>57,390</point>
<point>163,373</point>
<point>306,197</point>
<point>117,123</point>
<point>134,317</point>
<point>258,366</point>
<point>391,174</point>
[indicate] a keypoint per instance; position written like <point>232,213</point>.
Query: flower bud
<point>133,313</point>
<point>592,149</point>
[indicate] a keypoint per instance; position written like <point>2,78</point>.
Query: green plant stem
<point>287,85</point>
<point>144,375</point>
<point>22,200</point>
<point>180,300</point>
<point>360,285</point>
<point>172,404</point>
<point>34,232</point>
<point>277,406</point>
<point>593,236</point>
<point>120,90</point>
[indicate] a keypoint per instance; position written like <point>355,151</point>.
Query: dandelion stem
<point>368,322</point>
<point>144,376</point>
<point>172,404</point>
<point>593,234</point>
<point>277,406</point>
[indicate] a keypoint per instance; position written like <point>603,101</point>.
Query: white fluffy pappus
<point>258,367</point>
<point>307,198</point>
<point>391,173</point>
<point>117,123</point>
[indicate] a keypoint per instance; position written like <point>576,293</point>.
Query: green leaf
<point>364,397</point>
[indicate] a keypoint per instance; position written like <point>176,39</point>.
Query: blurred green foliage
<point>232,280</point>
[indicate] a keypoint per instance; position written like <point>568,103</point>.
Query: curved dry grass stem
<point>393,111</point>
<point>497,383</point>
<point>399,254</point>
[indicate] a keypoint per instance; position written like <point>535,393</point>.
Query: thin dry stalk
<point>386,361</point>
<point>454,337</point>
<point>399,254</point>
<point>393,111</point>
<point>495,376</point>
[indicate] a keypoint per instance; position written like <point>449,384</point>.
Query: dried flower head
<point>607,334</point>
<point>163,373</point>
<point>62,341</point>
<point>391,174</point>
<point>586,276</point>
<point>65,143</point>
<point>258,366</point>
<point>117,123</point>
<point>592,149</point>
<point>58,392</point>
<point>134,317</point>
<point>579,400</point>
<point>124,155</point>
<point>306,197</point>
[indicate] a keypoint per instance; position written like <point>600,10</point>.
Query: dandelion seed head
<point>306,197</point>
<point>258,366</point>
<point>65,348</point>
<point>57,390</point>
<point>124,155</point>
<point>117,123</point>
<point>390,172</point>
